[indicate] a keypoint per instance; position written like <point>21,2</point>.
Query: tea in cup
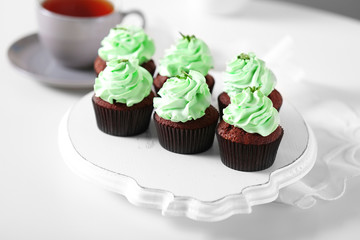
<point>71,30</point>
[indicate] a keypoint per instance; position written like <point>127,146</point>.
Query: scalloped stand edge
<point>171,205</point>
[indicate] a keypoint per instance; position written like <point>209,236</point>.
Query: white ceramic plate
<point>30,57</point>
<point>197,186</point>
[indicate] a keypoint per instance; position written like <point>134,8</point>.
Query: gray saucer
<point>30,57</point>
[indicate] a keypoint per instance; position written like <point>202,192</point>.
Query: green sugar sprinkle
<point>184,75</point>
<point>253,88</point>
<point>187,37</point>
<point>243,56</point>
<point>120,28</point>
<point>122,60</point>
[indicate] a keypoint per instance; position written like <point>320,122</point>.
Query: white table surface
<point>40,198</point>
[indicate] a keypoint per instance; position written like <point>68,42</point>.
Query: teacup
<point>73,40</point>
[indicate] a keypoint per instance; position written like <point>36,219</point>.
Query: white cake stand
<point>197,186</point>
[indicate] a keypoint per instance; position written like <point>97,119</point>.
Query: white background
<point>40,198</point>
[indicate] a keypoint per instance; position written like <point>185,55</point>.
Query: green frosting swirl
<point>123,81</point>
<point>183,98</point>
<point>189,53</point>
<point>253,112</point>
<point>125,43</point>
<point>246,70</point>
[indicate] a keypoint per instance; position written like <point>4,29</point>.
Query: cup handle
<point>136,12</point>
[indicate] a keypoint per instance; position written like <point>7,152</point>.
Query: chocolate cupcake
<point>249,134</point>
<point>246,70</point>
<point>189,53</point>
<point>125,42</point>
<point>184,119</point>
<point>123,100</point>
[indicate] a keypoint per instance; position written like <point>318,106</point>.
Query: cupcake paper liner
<point>185,141</point>
<point>247,157</point>
<point>122,123</point>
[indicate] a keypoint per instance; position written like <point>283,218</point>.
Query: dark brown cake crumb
<point>211,116</point>
<point>121,106</point>
<point>276,99</point>
<point>150,66</point>
<point>159,81</point>
<point>238,135</point>
<point>99,65</point>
